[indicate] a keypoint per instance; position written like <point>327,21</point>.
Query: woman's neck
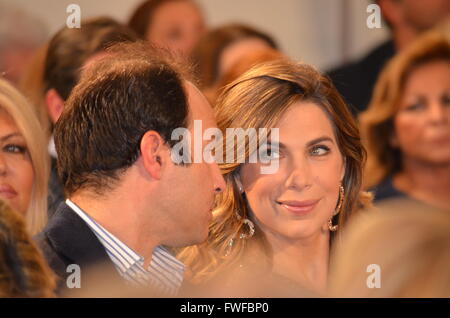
<point>304,261</point>
<point>425,182</point>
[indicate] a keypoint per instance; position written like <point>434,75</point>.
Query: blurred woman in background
<point>403,251</point>
<point>23,158</point>
<point>407,125</point>
<point>223,47</point>
<point>242,65</point>
<point>173,24</point>
<point>279,225</point>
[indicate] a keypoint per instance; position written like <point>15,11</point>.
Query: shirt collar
<point>163,267</point>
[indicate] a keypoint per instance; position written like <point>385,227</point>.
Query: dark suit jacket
<point>66,240</point>
<point>55,190</point>
<point>355,81</point>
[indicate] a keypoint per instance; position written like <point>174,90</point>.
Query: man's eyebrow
<point>320,139</point>
<point>15,134</point>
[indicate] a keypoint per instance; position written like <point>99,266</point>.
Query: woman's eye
<point>16,149</point>
<point>320,150</point>
<point>446,100</point>
<point>267,154</point>
<point>415,107</point>
<point>273,153</point>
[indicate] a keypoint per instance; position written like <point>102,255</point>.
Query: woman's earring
<point>249,223</point>
<point>229,247</point>
<point>251,232</point>
<point>332,227</point>
<point>251,229</point>
<point>341,199</point>
<point>239,185</point>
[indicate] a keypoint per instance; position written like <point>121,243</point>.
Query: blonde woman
<point>406,128</point>
<point>23,158</point>
<point>279,226</point>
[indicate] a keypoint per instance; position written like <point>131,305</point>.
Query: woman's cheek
<point>408,130</point>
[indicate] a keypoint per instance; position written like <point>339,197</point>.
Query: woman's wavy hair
<point>23,269</point>
<point>258,99</point>
<point>377,122</point>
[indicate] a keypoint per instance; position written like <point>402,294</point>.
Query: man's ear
<point>54,103</point>
<point>154,153</point>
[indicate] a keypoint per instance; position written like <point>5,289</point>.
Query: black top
<point>355,81</point>
<point>386,190</point>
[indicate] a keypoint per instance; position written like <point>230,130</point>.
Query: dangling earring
<point>229,246</point>
<point>248,222</point>
<point>251,229</point>
<point>245,236</point>
<point>251,226</point>
<point>239,185</point>
<point>332,227</point>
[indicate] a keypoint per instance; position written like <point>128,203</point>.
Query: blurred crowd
<point>363,182</point>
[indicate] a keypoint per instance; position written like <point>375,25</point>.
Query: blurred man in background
<point>406,20</point>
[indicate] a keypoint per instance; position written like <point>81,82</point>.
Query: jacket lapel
<point>72,238</point>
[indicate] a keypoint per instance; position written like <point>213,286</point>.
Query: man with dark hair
<point>67,52</point>
<point>406,20</point>
<point>127,198</point>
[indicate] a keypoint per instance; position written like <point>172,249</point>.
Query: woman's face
<point>238,50</point>
<point>176,25</point>
<point>16,169</point>
<point>422,124</point>
<point>295,202</point>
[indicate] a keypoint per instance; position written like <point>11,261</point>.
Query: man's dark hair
<point>70,48</point>
<point>134,89</point>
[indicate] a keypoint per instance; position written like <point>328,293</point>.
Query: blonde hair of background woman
<point>31,84</point>
<point>258,99</point>
<point>25,118</point>
<point>377,121</point>
<point>407,240</point>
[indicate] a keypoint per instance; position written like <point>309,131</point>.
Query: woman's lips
<point>7,192</point>
<point>299,207</point>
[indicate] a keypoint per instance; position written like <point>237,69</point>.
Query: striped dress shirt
<point>165,272</point>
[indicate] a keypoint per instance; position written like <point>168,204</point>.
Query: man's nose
<point>219,182</point>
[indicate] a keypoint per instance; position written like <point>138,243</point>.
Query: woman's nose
<point>299,176</point>
<point>438,113</point>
